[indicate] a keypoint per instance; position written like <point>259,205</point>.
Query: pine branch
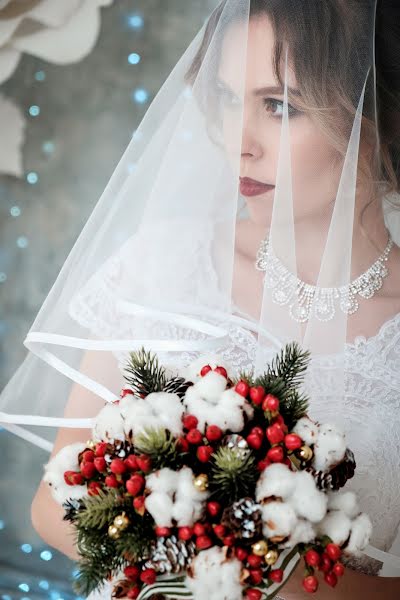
<point>290,365</point>
<point>144,374</point>
<point>100,510</point>
<point>232,476</point>
<point>98,560</point>
<point>160,445</point>
<point>136,544</point>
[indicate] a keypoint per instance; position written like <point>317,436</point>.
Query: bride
<point>263,202</point>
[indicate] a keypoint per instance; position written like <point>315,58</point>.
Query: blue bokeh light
<point>135,21</point>
<point>44,585</point>
<point>15,211</point>
<point>22,241</point>
<point>24,587</point>
<point>134,58</point>
<point>32,177</point>
<point>3,278</point>
<point>48,147</point>
<point>27,548</point>
<point>34,110</point>
<point>140,95</point>
<point>46,555</point>
<point>2,524</point>
<point>40,75</point>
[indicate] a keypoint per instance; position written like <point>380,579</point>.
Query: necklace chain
<point>304,298</point>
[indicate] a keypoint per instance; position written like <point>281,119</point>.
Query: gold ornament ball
<point>91,444</point>
<point>306,453</point>
<point>271,557</point>
<point>201,482</point>
<point>121,521</point>
<point>260,548</point>
<point>114,532</point>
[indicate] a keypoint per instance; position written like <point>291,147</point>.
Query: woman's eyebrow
<point>276,90</point>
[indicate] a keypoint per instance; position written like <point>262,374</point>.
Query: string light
<point>32,177</point>
<point>135,21</point>
<point>34,110</point>
<point>48,147</point>
<point>24,587</point>
<point>27,548</point>
<point>46,555</point>
<point>140,95</point>
<point>44,585</point>
<point>22,241</point>
<point>40,75</point>
<point>134,58</point>
<point>15,211</point>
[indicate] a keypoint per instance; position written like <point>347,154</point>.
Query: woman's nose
<point>252,146</point>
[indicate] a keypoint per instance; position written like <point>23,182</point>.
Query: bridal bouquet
<point>197,485</point>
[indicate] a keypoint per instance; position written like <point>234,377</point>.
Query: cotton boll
<point>65,460</point>
<point>213,576</point>
<point>278,518</point>
<point>330,448</point>
<point>199,407</point>
<point>164,481</point>
<point>192,371</point>
<point>109,424</point>
<point>275,480</point>
<point>211,386</point>
<point>159,410</point>
<point>336,525</point>
<point>307,500</point>
<point>189,502</point>
<point>344,501</point>
<point>307,430</point>
<point>161,507</point>
<point>168,409</point>
<point>304,533</point>
<point>361,530</point>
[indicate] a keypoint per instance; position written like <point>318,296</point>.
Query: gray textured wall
<point>88,114</point>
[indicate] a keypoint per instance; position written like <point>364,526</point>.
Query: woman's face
<point>258,121</point>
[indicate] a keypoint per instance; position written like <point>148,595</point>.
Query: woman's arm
<point>46,514</point>
<point>352,586</point>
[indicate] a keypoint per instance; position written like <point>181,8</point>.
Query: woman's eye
<point>227,98</point>
<point>276,107</point>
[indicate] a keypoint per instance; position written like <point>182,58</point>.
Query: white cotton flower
<point>109,425</point>
<point>173,497</point>
<point>279,518</point>
<point>226,410</point>
<point>361,530</point>
<point>275,480</point>
<point>213,576</point>
<point>336,525</point>
<point>344,501</point>
<point>303,533</point>
<point>330,448</point>
<point>159,410</point>
<point>307,500</point>
<point>192,371</point>
<point>307,430</point>
<point>65,460</point>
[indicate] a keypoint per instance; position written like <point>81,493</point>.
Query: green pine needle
<point>144,374</point>
<point>232,476</point>
<point>100,510</point>
<point>160,445</point>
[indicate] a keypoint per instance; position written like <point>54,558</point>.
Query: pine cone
<point>170,555</point>
<point>177,385</point>
<point>243,518</point>
<point>337,477</point>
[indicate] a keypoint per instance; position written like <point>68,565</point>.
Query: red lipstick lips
<point>251,187</point>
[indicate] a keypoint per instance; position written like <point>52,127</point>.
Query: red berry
<point>256,576</point>
<point>135,484</point>
<point>148,576</point>
<point>190,422</point>
<point>132,572</point>
<point>88,456</point>
<point>254,441</point>
<point>133,592</point>
<point>263,464</point>
<point>162,531</point>
<point>220,530</point>
<point>258,431</point>
<point>93,488</point>
<point>275,434</point>
<point>241,554</point>
<point>126,392</point>
<point>101,448</point>
<point>312,558</point>
<point>100,464</point>
<point>199,529</point>
<point>257,394</point>
<point>117,466</point>
<point>131,462</point>
<point>111,481</point>
<point>325,564</point>
<point>253,594</point>
<point>194,437</point>
<point>138,504</point>
<point>276,575</point>
<point>77,479</point>
<point>270,403</point>
<point>333,551</point>
<point>293,441</point>
<point>229,540</point>
<point>206,369</point>
<point>213,508</point>
<point>203,542</point>
<point>254,560</point>
<point>331,579</point>
<point>276,454</point>
<point>144,463</point>
<point>310,584</point>
<point>204,453</point>
<point>222,371</point>
<point>242,388</point>
<point>338,569</point>
<point>88,469</point>
<point>185,533</point>
<point>182,444</point>
<point>213,433</point>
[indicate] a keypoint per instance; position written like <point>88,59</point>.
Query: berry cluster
<point>326,560</point>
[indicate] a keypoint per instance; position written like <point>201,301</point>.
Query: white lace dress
<point>372,388</point>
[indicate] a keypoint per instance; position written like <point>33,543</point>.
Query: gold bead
<point>260,548</point>
<point>201,482</point>
<point>271,557</point>
<point>121,521</point>
<point>91,444</point>
<point>114,532</point>
<point>306,453</point>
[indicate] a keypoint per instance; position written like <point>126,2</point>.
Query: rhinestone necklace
<point>303,298</point>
